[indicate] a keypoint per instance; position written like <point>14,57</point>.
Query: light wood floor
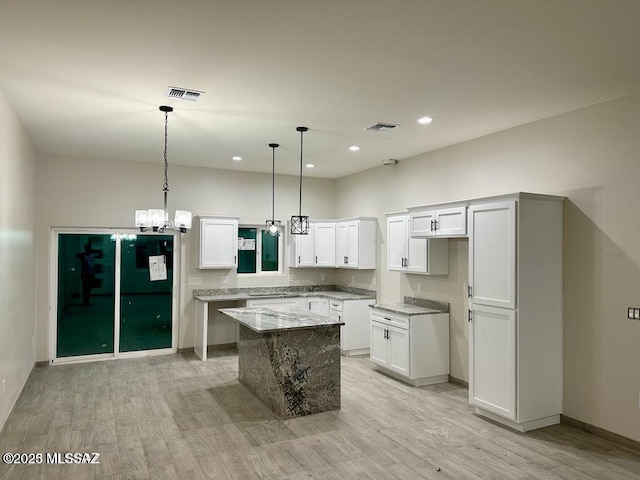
<point>176,417</point>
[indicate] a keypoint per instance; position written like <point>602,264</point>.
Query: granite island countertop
<point>323,291</point>
<point>413,306</point>
<point>275,319</point>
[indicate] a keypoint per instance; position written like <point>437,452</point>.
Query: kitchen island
<point>289,358</point>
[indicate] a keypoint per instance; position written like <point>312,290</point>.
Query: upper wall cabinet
<point>430,221</point>
<point>426,256</point>
<point>356,243</point>
<point>217,242</point>
<point>317,249</point>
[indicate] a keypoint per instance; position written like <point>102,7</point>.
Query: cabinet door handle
<point>316,259</point>
<point>432,225</point>
<point>469,291</point>
<point>470,315</point>
<point>298,258</point>
<point>435,224</point>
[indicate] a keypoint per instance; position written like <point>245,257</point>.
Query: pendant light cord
<point>273,183</point>
<point>300,201</point>
<point>165,187</point>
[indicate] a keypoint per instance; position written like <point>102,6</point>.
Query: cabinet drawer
<point>400,321</point>
<point>335,305</point>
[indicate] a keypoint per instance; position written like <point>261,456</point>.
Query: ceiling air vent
<point>381,127</point>
<point>184,93</point>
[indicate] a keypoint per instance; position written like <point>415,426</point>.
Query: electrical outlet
<point>633,313</point>
<point>224,279</point>
<point>322,277</point>
<point>419,287</point>
<point>374,281</point>
<point>353,279</point>
<point>4,385</point>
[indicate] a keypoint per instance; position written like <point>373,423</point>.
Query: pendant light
<point>155,218</point>
<point>300,223</point>
<point>273,226</point>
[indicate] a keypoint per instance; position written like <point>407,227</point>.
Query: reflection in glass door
<point>146,286</point>
<point>86,294</point>
<point>114,293</point>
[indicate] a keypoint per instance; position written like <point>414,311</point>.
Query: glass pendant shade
<point>182,220</point>
<point>300,223</point>
<point>142,219</point>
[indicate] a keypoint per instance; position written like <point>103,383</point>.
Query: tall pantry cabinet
<point>515,309</point>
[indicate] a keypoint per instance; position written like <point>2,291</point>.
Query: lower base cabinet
<point>354,334</point>
<point>414,349</point>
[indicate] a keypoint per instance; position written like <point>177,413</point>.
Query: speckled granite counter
<point>326,291</point>
<point>203,297</point>
<point>273,319</point>
<point>413,306</point>
<point>289,359</point>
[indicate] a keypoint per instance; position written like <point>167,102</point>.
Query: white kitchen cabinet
<point>414,255</point>
<point>316,305</point>
<point>317,249</point>
<point>442,221</point>
<point>302,252</point>
<point>356,243</point>
<point>217,242</point>
<point>354,334</point>
<point>493,349</point>
<point>324,241</point>
<point>412,348</point>
<point>515,309</point>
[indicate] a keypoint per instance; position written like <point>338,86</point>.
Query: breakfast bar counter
<point>289,358</point>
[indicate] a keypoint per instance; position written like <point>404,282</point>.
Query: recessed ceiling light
<point>236,158</point>
<point>354,148</point>
<point>309,165</point>
<point>425,120</point>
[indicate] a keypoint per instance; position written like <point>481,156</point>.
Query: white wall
<point>18,164</point>
<point>591,156</point>
<point>78,192</point>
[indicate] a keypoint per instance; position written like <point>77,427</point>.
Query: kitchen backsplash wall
<point>590,156</point>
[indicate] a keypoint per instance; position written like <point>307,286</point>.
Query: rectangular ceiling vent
<point>381,127</point>
<point>184,93</point>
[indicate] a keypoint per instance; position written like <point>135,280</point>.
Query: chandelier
<point>158,219</point>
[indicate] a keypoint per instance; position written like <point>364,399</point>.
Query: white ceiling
<point>86,77</point>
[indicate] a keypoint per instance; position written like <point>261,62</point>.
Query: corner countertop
<point>275,319</point>
<point>413,306</point>
<point>222,295</point>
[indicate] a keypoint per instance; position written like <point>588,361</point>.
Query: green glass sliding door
<point>86,294</point>
<point>146,285</point>
<point>114,293</point>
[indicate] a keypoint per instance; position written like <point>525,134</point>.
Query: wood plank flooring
<point>174,417</point>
